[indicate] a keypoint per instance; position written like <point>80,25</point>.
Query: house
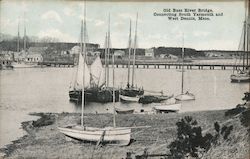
<point>119,53</point>
<point>34,58</point>
<point>149,52</point>
<point>34,54</point>
<point>75,50</point>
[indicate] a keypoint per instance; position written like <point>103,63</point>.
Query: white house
<point>119,53</point>
<point>149,52</point>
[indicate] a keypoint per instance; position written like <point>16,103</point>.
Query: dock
<point>156,65</point>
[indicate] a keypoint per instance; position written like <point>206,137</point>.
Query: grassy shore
<point>45,141</point>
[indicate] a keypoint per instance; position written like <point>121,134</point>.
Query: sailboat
<point>91,88</point>
<point>131,93</point>
<point>96,88</point>
<point>22,63</point>
<point>108,135</point>
<point>184,96</point>
<point>105,94</point>
<point>243,75</point>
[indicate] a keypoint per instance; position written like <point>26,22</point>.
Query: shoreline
<point>44,140</point>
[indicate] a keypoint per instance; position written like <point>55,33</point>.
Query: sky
<point>62,20</point>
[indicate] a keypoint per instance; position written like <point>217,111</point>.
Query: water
<point>46,90</point>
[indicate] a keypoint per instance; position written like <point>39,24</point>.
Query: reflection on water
<point>46,90</point>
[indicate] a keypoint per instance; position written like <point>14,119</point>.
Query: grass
<point>45,141</point>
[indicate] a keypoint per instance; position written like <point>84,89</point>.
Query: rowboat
<point>166,108</point>
<point>124,111</point>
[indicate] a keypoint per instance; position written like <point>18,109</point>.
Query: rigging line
<point>129,52</point>
<point>135,41</point>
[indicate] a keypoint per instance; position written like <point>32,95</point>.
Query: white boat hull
<point>23,65</point>
<point>185,97</point>
<point>167,107</point>
<point>118,135</point>
<point>129,99</point>
<point>240,78</point>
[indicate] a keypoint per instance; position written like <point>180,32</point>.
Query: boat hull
<point>132,92</point>
<point>146,99</point>
<point>94,95</point>
<point>240,78</point>
<point>129,99</point>
<point>24,65</point>
<point>185,97</point>
<point>128,111</point>
<point>118,135</point>
<point>167,108</point>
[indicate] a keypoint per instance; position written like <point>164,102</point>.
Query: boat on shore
<point>124,111</point>
<point>167,108</point>
<point>107,135</point>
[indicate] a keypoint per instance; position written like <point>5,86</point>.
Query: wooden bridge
<point>56,63</point>
<point>199,66</point>
<point>150,65</point>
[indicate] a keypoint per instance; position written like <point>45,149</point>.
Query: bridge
<point>157,65</point>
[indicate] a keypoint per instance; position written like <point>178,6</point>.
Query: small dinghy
<point>167,108</point>
<point>124,111</point>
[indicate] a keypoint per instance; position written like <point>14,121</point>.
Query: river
<point>46,90</point>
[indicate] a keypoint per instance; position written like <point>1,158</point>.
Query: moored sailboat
<point>243,75</point>
<point>187,95</point>
<point>131,93</point>
<point>97,89</point>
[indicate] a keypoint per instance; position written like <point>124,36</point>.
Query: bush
<point>247,96</point>
<point>239,109</point>
<point>245,118</point>
<point>190,140</point>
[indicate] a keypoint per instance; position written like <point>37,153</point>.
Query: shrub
<point>190,140</point>
<point>245,118</point>
<point>239,109</point>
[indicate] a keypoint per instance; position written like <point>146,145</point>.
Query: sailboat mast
<point>129,51</point>
<point>105,59</point>
<point>24,37</point>
<point>135,41</point>
<point>113,61</point>
<point>18,37</point>
<point>182,67</point>
<point>108,51</point>
<point>83,50</point>
<point>247,30</point>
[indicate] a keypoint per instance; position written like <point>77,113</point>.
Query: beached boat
<point>124,111</point>
<point>243,75</point>
<point>167,108</point>
<point>184,96</point>
<point>131,92</point>
<point>107,135</point>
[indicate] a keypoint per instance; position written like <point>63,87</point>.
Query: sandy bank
<point>45,141</point>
